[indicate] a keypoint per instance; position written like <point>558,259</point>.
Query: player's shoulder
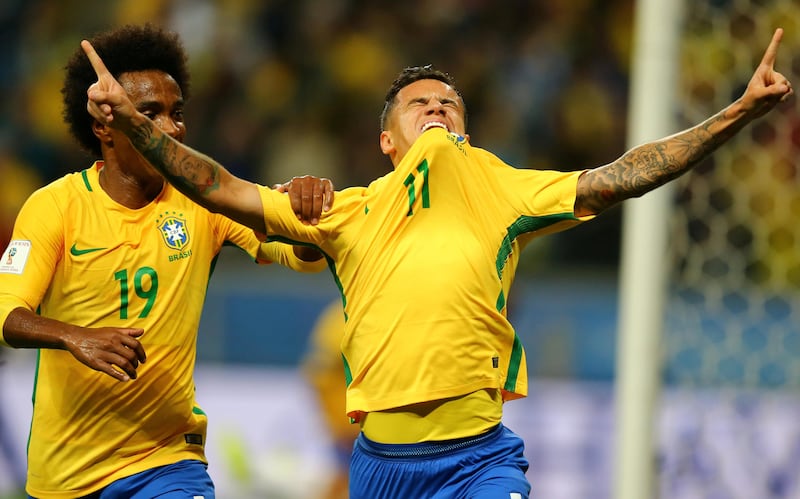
<point>52,202</point>
<point>351,197</point>
<point>56,189</point>
<point>82,181</point>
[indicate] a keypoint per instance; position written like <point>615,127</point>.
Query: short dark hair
<point>408,76</point>
<point>124,49</point>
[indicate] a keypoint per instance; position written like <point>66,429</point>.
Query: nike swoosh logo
<point>74,251</point>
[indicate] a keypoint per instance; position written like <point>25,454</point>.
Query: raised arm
<point>653,164</point>
<point>198,176</point>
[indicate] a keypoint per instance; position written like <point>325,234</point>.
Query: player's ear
<point>102,132</point>
<point>387,144</point>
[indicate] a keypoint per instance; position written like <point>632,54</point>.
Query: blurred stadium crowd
<point>287,87</point>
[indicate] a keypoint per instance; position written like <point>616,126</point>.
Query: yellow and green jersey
<point>425,257</point>
<point>79,257</point>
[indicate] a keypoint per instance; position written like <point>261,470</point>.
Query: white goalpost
<point>643,255</point>
<point>708,352</point>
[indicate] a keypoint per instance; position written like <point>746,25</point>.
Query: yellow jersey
<point>424,258</point>
<point>79,257</point>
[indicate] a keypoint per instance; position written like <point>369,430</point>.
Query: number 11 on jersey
<point>412,194</point>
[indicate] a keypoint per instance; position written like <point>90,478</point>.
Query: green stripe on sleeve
<point>522,225</point>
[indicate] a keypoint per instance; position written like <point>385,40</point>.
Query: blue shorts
<point>488,466</point>
<point>182,480</point>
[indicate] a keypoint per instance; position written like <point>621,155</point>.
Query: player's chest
<point>167,239</point>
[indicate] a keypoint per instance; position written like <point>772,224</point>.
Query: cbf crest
<point>173,230</point>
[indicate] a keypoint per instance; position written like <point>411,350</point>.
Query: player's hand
<point>309,195</point>
<point>767,87</point>
<point>107,102</point>
<point>111,350</point>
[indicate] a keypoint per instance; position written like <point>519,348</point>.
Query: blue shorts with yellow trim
<point>487,466</point>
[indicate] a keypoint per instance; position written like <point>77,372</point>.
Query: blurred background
<point>288,87</point>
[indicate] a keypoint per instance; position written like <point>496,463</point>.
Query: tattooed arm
<point>201,178</point>
<point>198,176</point>
<point>651,165</point>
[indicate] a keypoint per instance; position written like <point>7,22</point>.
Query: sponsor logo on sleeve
<point>15,257</point>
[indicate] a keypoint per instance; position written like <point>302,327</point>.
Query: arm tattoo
<point>188,170</point>
<point>653,164</point>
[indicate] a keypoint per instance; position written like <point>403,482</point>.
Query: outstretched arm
<point>651,165</point>
<point>198,176</point>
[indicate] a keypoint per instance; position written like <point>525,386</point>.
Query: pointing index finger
<point>772,50</point>
<point>97,63</point>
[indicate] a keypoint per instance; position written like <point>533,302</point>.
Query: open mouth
<point>433,124</point>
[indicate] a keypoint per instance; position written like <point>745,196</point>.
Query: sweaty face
<point>419,106</point>
<point>158,96</point>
